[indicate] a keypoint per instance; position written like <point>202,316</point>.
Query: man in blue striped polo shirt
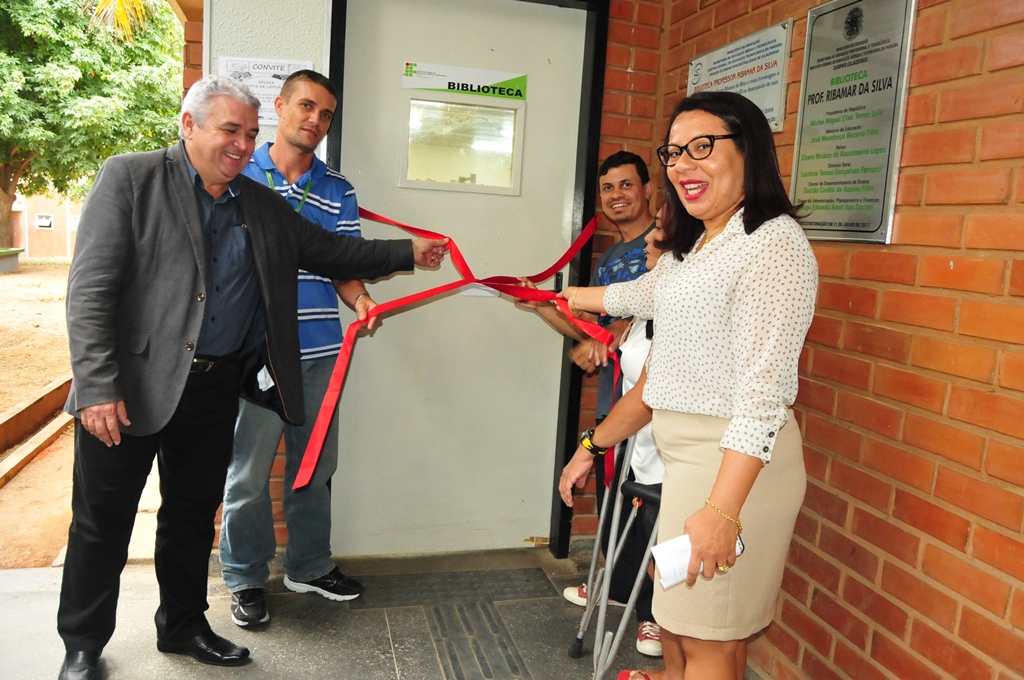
<point>305,109</point>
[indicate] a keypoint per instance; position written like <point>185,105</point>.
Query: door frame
<point>584,201</point>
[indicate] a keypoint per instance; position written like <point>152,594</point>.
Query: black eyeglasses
<point>698,149</point>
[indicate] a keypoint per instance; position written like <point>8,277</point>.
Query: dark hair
<point>310,77</point>
<point>764,196</point>
<point>625,158</point>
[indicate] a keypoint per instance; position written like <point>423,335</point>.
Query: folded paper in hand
<point>673,559</point>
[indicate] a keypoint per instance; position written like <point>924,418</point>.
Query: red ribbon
<point>509,285</point>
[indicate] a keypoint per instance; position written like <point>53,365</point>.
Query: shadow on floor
<point>493,615</point>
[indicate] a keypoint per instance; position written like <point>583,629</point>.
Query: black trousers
<point>193,451</point>
<point>632,556</point>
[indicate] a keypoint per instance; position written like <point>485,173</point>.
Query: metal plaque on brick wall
<point>850,124</point>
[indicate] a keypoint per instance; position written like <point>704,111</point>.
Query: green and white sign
<point>471,81</point>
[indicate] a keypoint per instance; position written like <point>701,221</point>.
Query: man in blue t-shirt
<point>305,109</point>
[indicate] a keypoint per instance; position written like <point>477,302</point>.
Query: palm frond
<point>123,16</point>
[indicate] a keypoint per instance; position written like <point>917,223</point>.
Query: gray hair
<point>199,99</point>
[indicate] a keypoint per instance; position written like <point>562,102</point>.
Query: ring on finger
<point>722,568</point>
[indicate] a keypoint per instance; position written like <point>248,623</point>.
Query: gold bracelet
<point>573,309</point>
<point>739,527</point>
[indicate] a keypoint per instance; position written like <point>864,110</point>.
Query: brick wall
<point>908,556</point>
<point>192,59</point>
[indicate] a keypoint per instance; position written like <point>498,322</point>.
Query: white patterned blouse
<point>730,321</point>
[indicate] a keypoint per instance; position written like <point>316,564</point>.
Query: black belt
<point>204,364</point>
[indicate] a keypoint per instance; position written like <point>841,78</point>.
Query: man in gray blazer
<point>182,296</point>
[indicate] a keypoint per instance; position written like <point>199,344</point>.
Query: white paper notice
<point>673,559</point>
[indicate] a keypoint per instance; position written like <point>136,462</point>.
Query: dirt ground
<point>35,507</point>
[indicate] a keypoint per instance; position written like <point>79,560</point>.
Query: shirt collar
<point>234,186</point>
<point>263,161</point>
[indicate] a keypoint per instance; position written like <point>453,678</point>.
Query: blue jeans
<point>247,540</point>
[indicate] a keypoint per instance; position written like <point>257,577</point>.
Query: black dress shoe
<point>80,666</point>
<point>207,647</point>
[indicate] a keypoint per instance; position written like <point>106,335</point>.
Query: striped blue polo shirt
<point>331,203</point>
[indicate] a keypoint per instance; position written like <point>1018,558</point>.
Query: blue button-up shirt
<point>233,292</point>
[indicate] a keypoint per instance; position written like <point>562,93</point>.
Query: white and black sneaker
<point>333,585</point>
<point>249,607</point>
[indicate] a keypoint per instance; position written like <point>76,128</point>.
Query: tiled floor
<point>495,615</point>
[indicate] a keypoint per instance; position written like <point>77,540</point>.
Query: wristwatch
<point>587,442</point>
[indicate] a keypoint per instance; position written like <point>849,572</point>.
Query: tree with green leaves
<point>74,91</point>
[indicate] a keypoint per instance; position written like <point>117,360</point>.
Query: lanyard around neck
<point>270,183</point>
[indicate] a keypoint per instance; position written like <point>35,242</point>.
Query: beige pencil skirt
<point>735,605</point>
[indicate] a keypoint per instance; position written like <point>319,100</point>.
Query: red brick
<point>613,103</point>
<point>194,31</point>
<point>815,462</point>
<point>877,341</point>
<point>993,321</point>
<point>996,231</point>
<point>783,641</point>
<point>727,10</point>
<point>584,524</point>
<point>973,583</point>
<point>855,665</point>
<point>817,668</point>
<point>194,55</point>
<point>1005,462</point>
<point>697,25</point>
<point>1002,552</point>
<point>993,411</point>
<point>1011,370</point>
<point>817,396</point>
<point>963,273</point>
<point>916,309</point>
<point>749,23</point>
<point>651,15</point>
<point>929,29</point>
<point>621,9</point>
<point>979,497</point>
<point>826,504</point>
<point>833,437</point>
<point>920,109</point>
<point>806,628</point>
<point>985,101</point>
<point>825,330</point>
<point>797,586</point>
<point>909,189</point>
<point>899,464</point>
<point>880,266</point>
<point>1017,270</point>
<point>619,126</point>
<point>1017,609</point>
<point>959,187</point>
<point>831,261</point>
<point>940,66</point>
<point>898,660</point>
<point>1002,140</point>
<point>881,532</point>
<point>646,61</point>
<point>630,81</point>
<point>930,601</point>
<point>862,486</point>
<point>908,387</point>
<point>841,369</point>
<point>846,298</point>
<point>948,527</point>
<point>946,440</point>
<point>875,606</point>
<point>852,554</point>
<point>712,40</point>
<point>981,15</point>
<point>954,358</point>
<point>993,639</point>
<point>923,229</point>
<point>682,9</point>
<point>947,654</point>
<point>873,415</point>
<point>806,527</point>
<point>1006,50</point>
<point>819,569</point>
<point>617,55</point>
<point>190,76</point>
<point>632,34</point>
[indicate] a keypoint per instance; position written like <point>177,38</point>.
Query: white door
<point>448,415</point>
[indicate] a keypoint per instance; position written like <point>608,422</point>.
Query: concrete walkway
<point>492,615</point>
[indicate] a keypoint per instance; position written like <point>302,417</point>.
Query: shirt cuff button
<point>771,434</point>
<point>765,449</point>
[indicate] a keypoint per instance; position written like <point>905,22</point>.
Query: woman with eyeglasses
<point>731,308</point>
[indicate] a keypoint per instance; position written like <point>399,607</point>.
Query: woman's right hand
<point>575,474</point>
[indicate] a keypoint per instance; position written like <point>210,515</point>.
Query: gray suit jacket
<point>138,281</point>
